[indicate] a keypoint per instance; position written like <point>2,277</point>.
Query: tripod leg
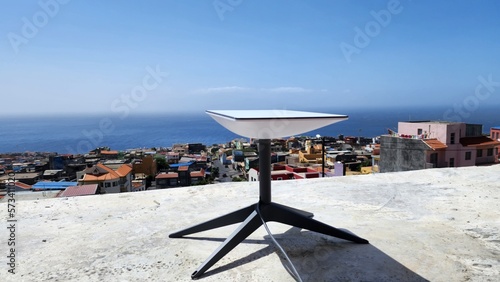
<point>284,214</point>
<point>304,213</point>
<point>252,222</point>
<point>228,219</point>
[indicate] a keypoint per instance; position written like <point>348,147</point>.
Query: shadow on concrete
<point>318,257</point>
<point>322,258</point>
<point>270,249</point>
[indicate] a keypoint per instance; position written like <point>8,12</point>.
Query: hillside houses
<point>415,145</point>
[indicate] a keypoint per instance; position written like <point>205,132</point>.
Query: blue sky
<point>74,56</point>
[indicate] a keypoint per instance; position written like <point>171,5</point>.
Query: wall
<point>126,183</point>
<point>495,134</point>
<point>253,175</point>
<point>114,188</point>
<point>146,166</point>
<point>456,150</point>
<point>401,154</point>
<point>440,130</point>
<point>485,158</point>
<point>441,161</point>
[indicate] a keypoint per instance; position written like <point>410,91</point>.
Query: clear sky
<point>75,56</point>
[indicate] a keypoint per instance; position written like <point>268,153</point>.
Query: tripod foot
<point>290,216</point>
<point>252,222</point>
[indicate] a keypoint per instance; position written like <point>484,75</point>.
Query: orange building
<point>109,180</point>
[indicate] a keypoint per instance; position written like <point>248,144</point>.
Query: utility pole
<point>322,154</point>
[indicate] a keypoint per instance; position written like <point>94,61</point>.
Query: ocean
<point>79,133</point>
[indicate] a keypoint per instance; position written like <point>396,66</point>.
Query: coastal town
<point>416,145</point>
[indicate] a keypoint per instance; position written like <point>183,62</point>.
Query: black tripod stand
<point>251,219</point>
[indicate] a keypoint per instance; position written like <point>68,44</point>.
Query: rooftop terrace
<point>435,224</point>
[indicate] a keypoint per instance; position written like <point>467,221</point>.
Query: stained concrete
<point>402,154</point>
<point>436,225</point>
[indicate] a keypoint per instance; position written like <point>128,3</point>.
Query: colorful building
<point>109,180</point>
<point>285,172</point>
<point>495,135</point>
<point>432,144</point>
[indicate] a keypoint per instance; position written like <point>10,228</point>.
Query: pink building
<point>495,135</point>
<point>427,144</point>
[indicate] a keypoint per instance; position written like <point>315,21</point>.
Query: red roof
<point>124,170</point>
<point>435,144</point>
<point>22,185</point>
<point>200,173</point>
<point>478,141</point>
<point>100,172</point>
<point>167,175</point>
<point>81,190</point>
<point>183,168</point>
<point>137,184</point>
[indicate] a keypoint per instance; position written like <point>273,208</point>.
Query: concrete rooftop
<point>436,224</point>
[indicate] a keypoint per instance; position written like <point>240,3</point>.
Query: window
<point>452,162</point>
<point>468,155</point>
<point>489,152</point>
<point>419,131</point>
<point>479,153</point>
<point>452,138</point>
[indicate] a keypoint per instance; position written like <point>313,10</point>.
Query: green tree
<point>161,163</point>
<point>364,163</point>
<point>149,180</point>
<point>237,179</point>
<point>214,171</point>
<point>202,182</point>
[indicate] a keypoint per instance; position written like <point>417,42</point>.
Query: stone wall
<point>401,154</point>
